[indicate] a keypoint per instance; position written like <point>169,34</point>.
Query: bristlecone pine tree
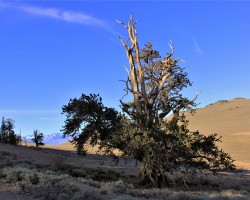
<point>37,138</point>
<point>162,145</point>
<point>7,133</point>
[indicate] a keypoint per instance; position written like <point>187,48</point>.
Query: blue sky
<point>51,51</point>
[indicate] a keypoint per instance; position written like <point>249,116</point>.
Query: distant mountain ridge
<point>50,139</point>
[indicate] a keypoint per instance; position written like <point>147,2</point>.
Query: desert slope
<point>229,119</point>
<point>68,146</point>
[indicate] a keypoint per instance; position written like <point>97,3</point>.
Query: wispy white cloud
<point>197,47</point>
<point>67,16</point>
<point>48,12</point>
<point>58,14</point>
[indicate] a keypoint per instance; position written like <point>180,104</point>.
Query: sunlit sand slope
<point>231,120</point>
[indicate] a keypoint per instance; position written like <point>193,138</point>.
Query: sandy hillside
<point>231,120</point>
<point>70,147</point>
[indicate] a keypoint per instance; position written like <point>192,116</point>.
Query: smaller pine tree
<point>38,138</point>
<point>7,133</point>
<point>3,132</point>
<point>12,137</point>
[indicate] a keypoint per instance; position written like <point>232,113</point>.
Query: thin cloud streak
<point>49,12</point>
<point>67,16</point>
<point>58,14</point>
<point>197,48</point>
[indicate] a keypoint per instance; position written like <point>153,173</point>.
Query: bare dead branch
<point>127,71</point>
<point>123,43</point>
<point>169,54</point>
<point>121,23</point>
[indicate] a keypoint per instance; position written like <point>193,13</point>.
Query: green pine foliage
<point>89,121</point>
<point>7,133</point>
<point>37,138</point>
